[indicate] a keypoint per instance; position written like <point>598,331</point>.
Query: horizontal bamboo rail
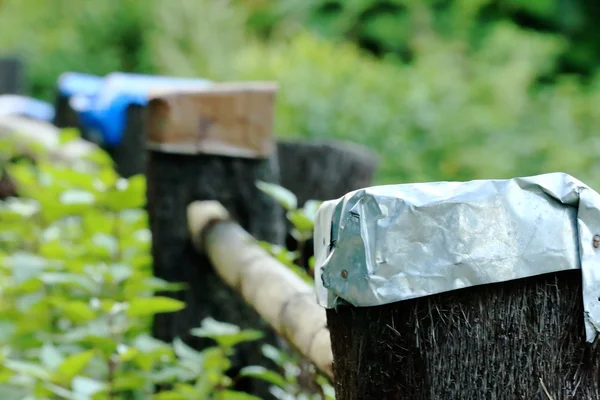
<point>280,297</point>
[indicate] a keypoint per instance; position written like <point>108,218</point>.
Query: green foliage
<point>77,294</point>
<point>183,37</point>
<point>389,26</point>
<point>302,222</point>
<point>299,373</point>
<point>467,103</point>
<point>480,116</point>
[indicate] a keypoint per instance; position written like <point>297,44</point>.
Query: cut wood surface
<point>279,296</point>
<point>227,119</point>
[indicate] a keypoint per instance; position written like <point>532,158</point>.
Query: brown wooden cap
<point>230,119</point>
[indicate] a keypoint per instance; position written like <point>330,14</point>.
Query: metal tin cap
<point>391,243</point>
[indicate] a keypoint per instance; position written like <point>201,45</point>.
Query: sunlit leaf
<point>76,310</point>
<point>86,386</point>
<point>26,266</point>
<point>74,364</point>
<point>50,357</point>
<point>127,194</point>
<point>75,196</point>
<point>143,307</point>
<point>300,221</point>
<point>129,381</point>
<point>283,196</point>
<point>264,374</point>
<point>170,395</point>
<point>27,368</point>
<point>233,395</point>
<point>182,350</point>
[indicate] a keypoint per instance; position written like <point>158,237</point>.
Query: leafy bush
<point>182,37</point>
<point>469,103</point>
<point>389,26</point>
<point>453,113</point>
<point>77,295</point>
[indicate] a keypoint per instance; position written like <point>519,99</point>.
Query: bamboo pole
<point>280,297</point>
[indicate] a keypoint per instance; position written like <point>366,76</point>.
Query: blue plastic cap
<point>75,83</point>
<point>106,109</point>
<point>11,104</point>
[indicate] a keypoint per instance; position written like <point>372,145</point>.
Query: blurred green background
<point>441,89</point>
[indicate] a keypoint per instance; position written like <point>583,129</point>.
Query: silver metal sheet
<point>391,243</point>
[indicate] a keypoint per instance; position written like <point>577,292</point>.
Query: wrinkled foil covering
<point>390,243</point>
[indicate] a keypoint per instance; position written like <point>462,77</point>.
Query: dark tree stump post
<point>12,76</point>
<point>465,291</point>
<point>504,341</point>
<point>12,81</point>
<point>324,170</point>
<point>130,155</point>
<point>65,116</point>
<point>210,145</point>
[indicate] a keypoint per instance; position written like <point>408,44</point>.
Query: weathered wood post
<point>210,144</point>
<point>12,75</point>
<point>476,290</point>
<point>322,170</point>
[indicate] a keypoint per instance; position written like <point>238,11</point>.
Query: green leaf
<point>144,307</point>
<point>69,280</point>
<point>310,209</point>
<point>233,395</point>
<point>170,395</point>
<point>300,221</point>
<point>157,284</point>
<point>127,194</point>
<point>129,381</point>
<point>50,357</point>
<point>120,272</point>
<point>283,196</point>
<point>184,351</point>
<point>226,335</point>
<point>26,266</point>
<point>274,354</point>
<point>87,386</point>
<point>74,364</point>
<point>28,368</point>
<point>148,344</point>
<point>264,374</point>
<point>77,197</point>
<point>75,310</point>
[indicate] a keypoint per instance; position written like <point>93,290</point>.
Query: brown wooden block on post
<point>211,144</point>
<point>475,290</point>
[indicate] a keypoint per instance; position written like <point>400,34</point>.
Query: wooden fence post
<point>515,339</point>
<point>210,144</point>
<point>12,75</point>
<point>324,170</point>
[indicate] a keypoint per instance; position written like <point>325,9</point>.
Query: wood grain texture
<point>515,340</point>
<point>224,119</point>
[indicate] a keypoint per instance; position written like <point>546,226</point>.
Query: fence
<point>518,335</point>
<point>403,309</point>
